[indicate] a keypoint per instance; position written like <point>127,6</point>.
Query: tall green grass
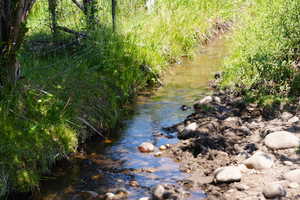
<point>70,81</point>
<point>266,51</point>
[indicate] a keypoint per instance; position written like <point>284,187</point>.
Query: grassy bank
<point>77,87</point>
<point>265,61</point>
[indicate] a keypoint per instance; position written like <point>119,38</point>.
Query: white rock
<point>205,100</point>
<point>227,174</point>
<point>286,116</point>
<point>157,154</point>
<point>217,99</point>
<point>146,147</point>
<point>158,192</point>
<point>191,127</point>
<point>144,198</point>
<point>293,185</point>
<point>273,190</point>
<point>162,147</point>
<point>293,119</point>
<point>293,176</point>
<point>288,163</point>
<point>281,140</point>
<point>110,196</point>
<point>259,161</point>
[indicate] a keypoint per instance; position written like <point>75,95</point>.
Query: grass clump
<point>266,51</point>
<point>73,87</point>
<point>34,133</point>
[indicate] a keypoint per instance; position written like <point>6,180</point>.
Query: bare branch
<point>79,5</point>
<point>65,29</point>
<point>89,125</point>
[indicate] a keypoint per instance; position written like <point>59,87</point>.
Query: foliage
<point>34,133</point>
<point>266,50</point>
<point>93,78</point>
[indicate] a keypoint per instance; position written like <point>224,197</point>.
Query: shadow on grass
<point>73,88</point>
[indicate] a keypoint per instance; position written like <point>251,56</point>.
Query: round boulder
<point>273,190</point>
<point>146,147</point>
<point>259,161</point>
<point>281,140</point>
<point>227,174</point>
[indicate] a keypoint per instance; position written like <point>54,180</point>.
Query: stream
<point>105,167</point>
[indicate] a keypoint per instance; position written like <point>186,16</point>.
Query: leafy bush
<point>266,49</point>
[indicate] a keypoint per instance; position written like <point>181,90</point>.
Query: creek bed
<point>104,167</point>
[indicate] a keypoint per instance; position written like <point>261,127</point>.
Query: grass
<point>265,59</point>
<point>95,79</point>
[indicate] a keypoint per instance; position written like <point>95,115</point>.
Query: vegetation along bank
<point>80,72</point>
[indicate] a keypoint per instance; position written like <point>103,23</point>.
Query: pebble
<point>281,140</point>
<point>168,145</point>
<point>227,174</point>
<point>293,185</point>
<point>109,196</point>
<point>242,187</point>
<point>273,190</point>
<point>145,198</point>
<point>158,154</point>
<point>188,131</point>
<point>134,184</point>
<point>286,116</point>
<point>205,100</point>
<point>217,99</point>
<point>288,163</point>
<point>162,147</point>
<point>293,176</point>
<point>158,192</point>
<point>293,119</point>
<point>191,127</point>
<point>146,147</point>
<point>259,161</point>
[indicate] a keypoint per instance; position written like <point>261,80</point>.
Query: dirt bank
<point>224,131</point>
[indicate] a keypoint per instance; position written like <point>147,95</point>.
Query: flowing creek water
<point>107,166</point>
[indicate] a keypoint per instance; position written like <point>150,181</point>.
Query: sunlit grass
<point>94,78</point>
<point>266,51</point>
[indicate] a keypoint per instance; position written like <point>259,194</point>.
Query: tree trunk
<point>52,9</point>
<point>113,13</point>
<point>13,14</point>
<point>90,12</point>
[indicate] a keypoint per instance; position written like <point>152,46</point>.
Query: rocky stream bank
<point>235,150</point>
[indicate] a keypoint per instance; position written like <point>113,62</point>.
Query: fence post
<point>113,13</point>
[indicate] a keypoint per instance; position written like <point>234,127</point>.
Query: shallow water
<point>108,166</point>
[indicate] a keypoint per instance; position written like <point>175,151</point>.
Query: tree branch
<point>79,5</point>
<point>65,29</point>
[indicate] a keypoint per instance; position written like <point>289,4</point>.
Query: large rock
<point>281,140</point>
<point>146,147</point>
<point>293,176</point>
<point>259,161</point>
<point>188,131</point>
<point>273,190</point>
<point>227,174</point>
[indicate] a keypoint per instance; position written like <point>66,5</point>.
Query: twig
<point>78,34</point>
<point>78,4</point>
<point>89,125</point>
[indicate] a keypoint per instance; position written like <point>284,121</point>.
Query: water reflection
<point>110,166</point>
